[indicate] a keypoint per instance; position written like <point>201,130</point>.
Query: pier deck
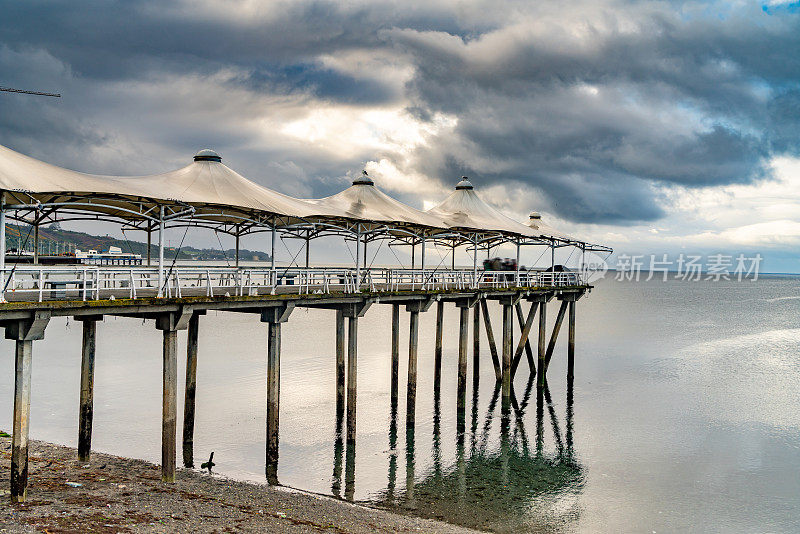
<point>41,294</point>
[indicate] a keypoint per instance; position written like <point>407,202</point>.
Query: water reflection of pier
<point>509,486</point>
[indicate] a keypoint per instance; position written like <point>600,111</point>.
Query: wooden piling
<point>22,410</point>
<point>395,355</point>
<point>411,388</point>
<point>169,405</point>
<point>463,343</point>
<point>490,337</point>
<point>542,367</point>
<point>476,346</point>
<point>190,390</point>
<point>571,342</point>
<point>507,344</point>
<point>352,374</point>
<point>437,357</point>
<point>554,336</point>
<point>273,399</point>
<point>340,350</point>
<point>87,389</point>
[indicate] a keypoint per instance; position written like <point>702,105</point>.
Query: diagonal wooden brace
<point>490,335</point>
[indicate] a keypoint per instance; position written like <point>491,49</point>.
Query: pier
<point>177,297</point>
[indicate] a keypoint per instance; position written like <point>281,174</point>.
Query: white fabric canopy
<point>208,182</point>
<point>535,222</point>
<point>219,193</point>
<point>465,210</point>
<point>364,201</point>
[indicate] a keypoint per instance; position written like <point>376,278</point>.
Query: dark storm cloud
<point>593,105</point>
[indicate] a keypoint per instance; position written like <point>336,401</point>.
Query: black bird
<point>209,464</point>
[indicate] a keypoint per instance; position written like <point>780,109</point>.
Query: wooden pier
<point>26,322</point>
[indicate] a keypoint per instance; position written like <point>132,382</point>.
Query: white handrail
<point>95,282</point>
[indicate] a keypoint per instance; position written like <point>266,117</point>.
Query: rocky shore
<point>113,494</point>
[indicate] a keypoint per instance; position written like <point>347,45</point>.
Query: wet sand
<point>114,494</point>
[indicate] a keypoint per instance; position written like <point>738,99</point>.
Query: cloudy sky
<point>654,127</point>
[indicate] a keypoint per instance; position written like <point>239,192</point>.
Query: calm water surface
<point>684,412</point>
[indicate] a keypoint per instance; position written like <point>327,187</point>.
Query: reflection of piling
<point>410,467</point>
<point>392,484</point>
<point>350,470</point>
<point>338,451</point>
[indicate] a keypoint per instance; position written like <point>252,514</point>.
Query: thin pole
<point>453,257</point>
<point>395,354</point>
<point>272,250</point>
<point>237,249</point>
<point>340,375</point>
<point>273,399</point>
<point>169,405</point>
<point>571,343</point>
<point>161,252</point>
<point>411,391</point>
<point>476,345</point>
<point>463,340</point>
<point>190,390</point>
<point>358,258</point>
<point>507,341</point>
<point>541,369</point>
<point>422,262</point>
<point>87,390</point>
<point>22,410</point>
<point>308,244</point>
<point>516,276</point>
<point>352,375</point>
<point>413,255</point>
<point>36,243</point>
<point>437,355</point>
<point>149,243</point>
<point>2,233</point>
<point>475,264</point>
<point>273,277</point>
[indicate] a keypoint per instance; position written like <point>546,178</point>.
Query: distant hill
<point>55,240</point>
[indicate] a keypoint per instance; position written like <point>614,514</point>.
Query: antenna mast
<point>25,92</point>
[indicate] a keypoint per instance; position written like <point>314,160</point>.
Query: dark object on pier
<point>209,464</point>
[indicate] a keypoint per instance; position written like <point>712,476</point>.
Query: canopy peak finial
<point>464,184</point>
<point>363,179</point>
<point>207,155</point>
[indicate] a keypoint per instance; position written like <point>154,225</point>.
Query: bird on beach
<point>209,464</point>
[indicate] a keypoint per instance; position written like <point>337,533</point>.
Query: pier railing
<point>94,283</point>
